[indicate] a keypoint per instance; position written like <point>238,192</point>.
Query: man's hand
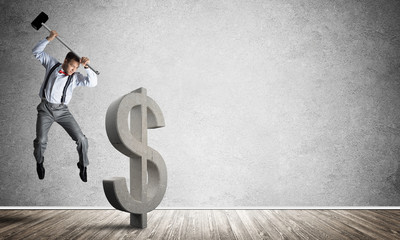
<point>53,34</point>
<point>85,61</point>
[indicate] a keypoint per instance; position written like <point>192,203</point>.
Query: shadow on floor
<point>109,227</point>
<point>15,219</point>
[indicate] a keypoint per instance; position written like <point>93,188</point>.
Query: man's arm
<point>38,51</point>
<point>91,79</point>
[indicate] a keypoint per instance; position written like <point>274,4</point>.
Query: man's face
<point>70,66</point>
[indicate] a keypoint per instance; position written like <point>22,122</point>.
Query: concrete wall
<point>267,103</point>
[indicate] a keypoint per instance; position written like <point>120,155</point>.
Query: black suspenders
<point>65,87</point>
<point>47,79</point>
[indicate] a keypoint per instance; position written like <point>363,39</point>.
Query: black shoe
<point>40,170</point>
<point>82,172</point>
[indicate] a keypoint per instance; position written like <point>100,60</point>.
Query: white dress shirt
<point>57,80</point>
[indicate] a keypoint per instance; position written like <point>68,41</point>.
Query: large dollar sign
<point>148,173</point>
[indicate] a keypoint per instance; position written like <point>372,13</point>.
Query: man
<point>56,92</point>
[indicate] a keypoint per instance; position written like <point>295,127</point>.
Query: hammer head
<point>41,18</point>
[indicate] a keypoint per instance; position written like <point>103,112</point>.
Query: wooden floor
<point>202,224</point>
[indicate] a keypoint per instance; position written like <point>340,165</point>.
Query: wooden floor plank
<point>287,229</point>
<point>365,225</point>
<point>167,227</point>
<point>36,219</point>
<point>320,225</point>
<point>201,224</point>
<point>212,225</point>
<point>204,225</point>
<point>9,217</point>
<point>181,231</point>
<point>264,227</point>
<point>78,228</point>
<point>177,222</point>
<point>304,223</point>
<point>332,226</point>
<point>185,231</point>
<point>308,224</point>
<point>194,230</point>
<point>225,231</point>
<point>392,215</point>
<point>116,228</point>
<point>237,226</point>
<point>92,231</point>
<point>376,218</point>
<point>64,219</point>
<point>339,224</point>
<point>296,229</point>
<point>255,229</point>
<point>164,226</point>
<point>13,219</point>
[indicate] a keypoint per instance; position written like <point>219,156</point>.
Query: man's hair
<point>72,56</point>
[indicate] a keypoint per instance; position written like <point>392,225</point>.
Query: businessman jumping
<point>55,93</point>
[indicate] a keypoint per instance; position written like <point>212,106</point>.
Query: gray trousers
<point>49,113</point>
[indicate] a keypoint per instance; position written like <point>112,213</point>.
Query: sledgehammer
<point>39,22</point>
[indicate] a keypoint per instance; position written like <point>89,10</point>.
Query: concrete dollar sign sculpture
<point>148,173</point>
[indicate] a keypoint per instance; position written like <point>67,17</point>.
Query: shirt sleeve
<point>89,81</point>
<point>45,59</point>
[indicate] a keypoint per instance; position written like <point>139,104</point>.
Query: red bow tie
<point>62,72</point>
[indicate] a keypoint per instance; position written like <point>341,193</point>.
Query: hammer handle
<point>59,39</point>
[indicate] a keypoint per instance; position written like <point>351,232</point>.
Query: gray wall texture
<point>267,103</point>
